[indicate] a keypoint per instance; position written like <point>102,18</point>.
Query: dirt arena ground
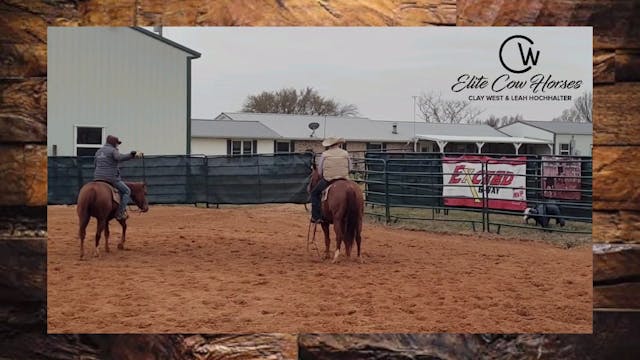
<point>246,269</point>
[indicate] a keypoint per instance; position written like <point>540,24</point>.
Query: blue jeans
<point>316,199</point>
<point>125,194</point>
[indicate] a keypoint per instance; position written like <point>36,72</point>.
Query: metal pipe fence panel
<point>419,180</point>
<point>416,182</point>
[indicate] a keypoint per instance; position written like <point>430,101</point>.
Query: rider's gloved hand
<point>133,153</point>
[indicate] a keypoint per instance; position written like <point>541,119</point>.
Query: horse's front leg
<point>123,223</point>
<point>327,239</point>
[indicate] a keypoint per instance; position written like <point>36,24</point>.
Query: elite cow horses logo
<point>528,60</point>
<point>518,54</point>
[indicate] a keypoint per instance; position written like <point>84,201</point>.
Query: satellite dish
<point>313,126</point>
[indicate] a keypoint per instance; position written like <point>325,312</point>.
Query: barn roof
<point>296,127</point>
<point>483,139</point>
<point>231,129</point>
<point>194,54</point>
<point>561,127</point>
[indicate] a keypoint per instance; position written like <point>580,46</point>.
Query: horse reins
<point>144,171</point>
<point>311,239</point>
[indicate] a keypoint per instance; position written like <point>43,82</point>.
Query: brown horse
<point>96,200</point>
<point>344,208</point>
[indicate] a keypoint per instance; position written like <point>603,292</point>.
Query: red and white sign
<point>561,177</point>
<point>465,182</point>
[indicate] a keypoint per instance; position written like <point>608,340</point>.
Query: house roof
<point>296,127</point>
<point>194,54</point>
<point>483,139</point>
<point>231,129</point>
<point>561,127</point>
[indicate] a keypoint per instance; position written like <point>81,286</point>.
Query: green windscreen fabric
<point>254,179</point>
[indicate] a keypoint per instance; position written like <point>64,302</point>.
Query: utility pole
<point>415,141</point>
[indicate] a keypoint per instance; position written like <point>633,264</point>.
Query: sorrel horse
<point>344,208</point>
<point>96,200</point>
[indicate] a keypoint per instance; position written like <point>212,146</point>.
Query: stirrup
<point>316,221</point>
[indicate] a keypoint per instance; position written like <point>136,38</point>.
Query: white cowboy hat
<point>330,141</point>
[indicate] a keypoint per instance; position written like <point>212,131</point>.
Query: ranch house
<point>564,138</point>
<point>255,133</point>
<point>125,81</point>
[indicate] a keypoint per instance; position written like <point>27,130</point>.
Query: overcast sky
<point>377,69</point>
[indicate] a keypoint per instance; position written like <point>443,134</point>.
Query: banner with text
<point>465,177</point>
<point>561,177</point>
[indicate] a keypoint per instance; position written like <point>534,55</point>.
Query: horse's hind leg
<point>359,240</point>
<point>106,236</point>
<point>99,230</point>
<point>82,233</point>
<point>327,239</point>
<point>337,227</point>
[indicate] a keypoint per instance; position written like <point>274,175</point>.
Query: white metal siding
<point>583,143</point>
<point>207,146</point>
<point>523,130</point>
<point>132,84</point>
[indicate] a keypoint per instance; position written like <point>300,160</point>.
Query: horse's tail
<point>352,219</point>
<point>86,197</point>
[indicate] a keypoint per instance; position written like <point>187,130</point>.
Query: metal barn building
<point>566,138</point>
<point>235,133</point>
<point>124,81</point>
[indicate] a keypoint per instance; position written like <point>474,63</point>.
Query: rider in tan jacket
<point>334,164</point>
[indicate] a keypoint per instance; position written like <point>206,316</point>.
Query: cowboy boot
<point>123,215</point>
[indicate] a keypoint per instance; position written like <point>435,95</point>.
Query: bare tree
<point>581,110</point>
<point>568,115</point>
<point>583,105</point>
<point>492,121</point>
<point>290,101</point>
<point>435,109</point>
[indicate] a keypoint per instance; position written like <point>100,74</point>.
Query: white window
<point>283,147</point>
<point>565,149</point>
<point>88,139</point>
<point>241,147</point>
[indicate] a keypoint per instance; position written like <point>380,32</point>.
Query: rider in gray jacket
<point>106,169</point>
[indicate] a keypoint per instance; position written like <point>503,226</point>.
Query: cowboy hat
<point>330,141</point>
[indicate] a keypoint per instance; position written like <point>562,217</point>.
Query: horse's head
<point>139,195</point>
